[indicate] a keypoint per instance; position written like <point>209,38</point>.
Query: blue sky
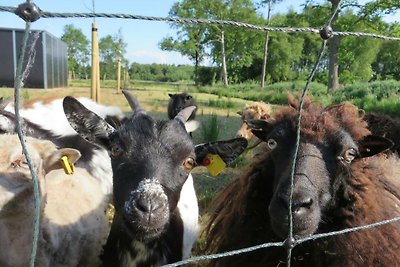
<point>142,37</point>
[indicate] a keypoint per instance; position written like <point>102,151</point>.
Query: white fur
<point>192,126</point>
<point>189,211</point>
<point>100,167</point>
<point>6,124</point>
<point>50,116</point>
<point>73,224</point>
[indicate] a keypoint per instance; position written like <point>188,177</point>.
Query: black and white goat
<point>94,159</point>
<point>151,162</point>
<point>44,118</point>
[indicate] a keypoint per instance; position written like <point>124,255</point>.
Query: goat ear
<point>171,95</point>
<point>261,128</point>
<point>371,145</point>
<point>184,114</point>
<point>240,112</point>
<point>87,123</point>
<point>53,162</point>
<point>228,150</point>
<point>192,126</point>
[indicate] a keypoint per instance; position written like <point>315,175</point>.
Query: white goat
<point>73,223</point>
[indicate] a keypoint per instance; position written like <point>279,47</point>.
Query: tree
<point>334,43</point>
<point>269,4</point>
<point>387,63</point>
<point>379,7</point>
<point>367,13</point>
<point>111,49</point>
<point>191,38</point>
<point>235,48</point>
<point>77,49</point>
<point>230,47</point>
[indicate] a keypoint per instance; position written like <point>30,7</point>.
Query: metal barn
<point>49,68</point>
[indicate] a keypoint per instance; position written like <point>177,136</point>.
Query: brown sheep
<point>73,224</point>
<point>340,181</point>
<point>256,110</point>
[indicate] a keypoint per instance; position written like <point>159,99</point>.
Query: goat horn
<point>133,102</point>
<point>184,114</point>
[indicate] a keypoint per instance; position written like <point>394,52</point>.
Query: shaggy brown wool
<point>367,192</point>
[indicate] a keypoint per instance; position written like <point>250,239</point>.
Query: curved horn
<point>133,102</point>
<point>184,114</point>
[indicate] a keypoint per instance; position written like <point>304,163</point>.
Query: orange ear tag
<point>215,164</point>
<point>68,166</point>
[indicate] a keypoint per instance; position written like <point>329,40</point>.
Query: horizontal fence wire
<point>281,244</point>
<point>44,14</point>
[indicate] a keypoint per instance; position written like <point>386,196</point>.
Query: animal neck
<point>125,250</point>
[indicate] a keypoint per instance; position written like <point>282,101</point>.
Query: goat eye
<point>14,164</point>
<point>349,155</point>
<point>19,163</point>
<point>272,144</point>
<point>116,150</point>
<point>189,163</point>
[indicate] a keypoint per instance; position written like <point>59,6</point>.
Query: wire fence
<point>30,13</point>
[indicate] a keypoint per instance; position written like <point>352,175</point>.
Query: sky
<point>142,37</point>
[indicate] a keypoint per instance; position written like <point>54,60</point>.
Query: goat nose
<point>302,206</point>
<point>144,205</point>
<point>147,205</point>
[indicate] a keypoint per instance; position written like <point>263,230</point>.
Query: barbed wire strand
<point>224,254</point>
<point>19,80</point>
<point>46,14</point>
<point>31,55</point>
<point>281,244</point>
<point>290,243</point>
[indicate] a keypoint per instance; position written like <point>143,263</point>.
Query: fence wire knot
<point>326,32</point>
<point>28,12</point>
<point>289,243</point>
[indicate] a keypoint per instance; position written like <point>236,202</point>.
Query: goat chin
<point>191,126</point>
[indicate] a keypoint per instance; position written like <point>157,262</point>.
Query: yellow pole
<point>127,79</point>
<point>95,92</point>
<point>119,76</point>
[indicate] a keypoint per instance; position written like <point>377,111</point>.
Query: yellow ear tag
<point>215,164</point>
<point>68,166</point>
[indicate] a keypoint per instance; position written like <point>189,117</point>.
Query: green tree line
<point>240,55</point>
